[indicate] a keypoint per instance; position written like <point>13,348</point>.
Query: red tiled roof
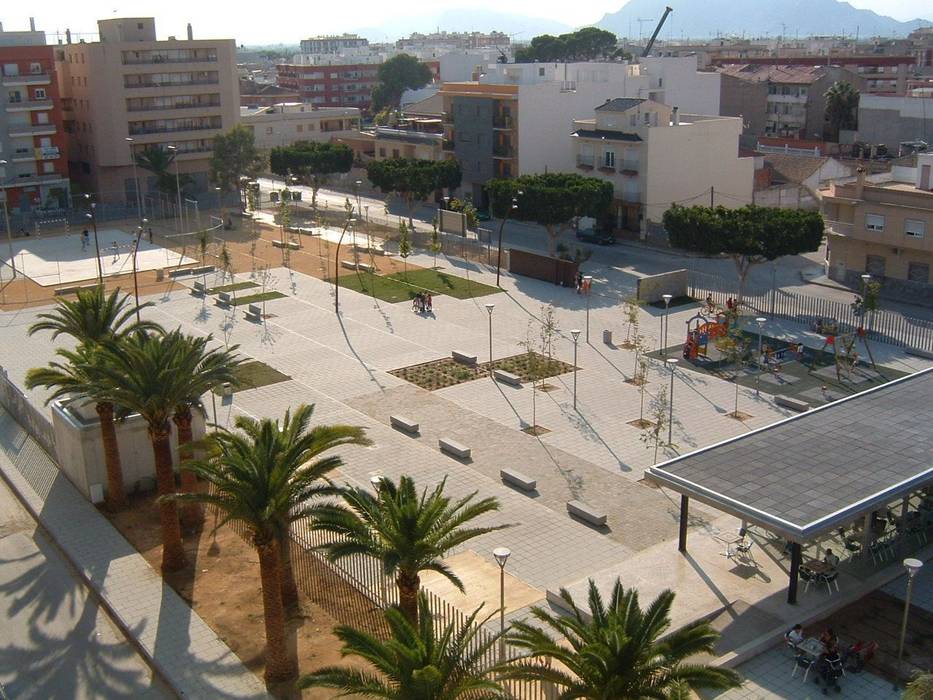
<point>787,73</point>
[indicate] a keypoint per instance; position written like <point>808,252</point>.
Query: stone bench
<point>500,375</point>
<point>253,313</point>
<point>403,423</point>
<point>516,478</point>
<point>201,270</point>
<point>349,264</point>
<point>285,244</point>
<point>224,299</point>
<point>586,512</point>
<point>181,272</point>
<point>463,357</point>
<point>198,289</point>
<point>365,267</point>
<point>791,403</point>
<point>452,447</point>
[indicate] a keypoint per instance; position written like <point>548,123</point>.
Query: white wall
<point>682,86</point>
<point>284,126</point>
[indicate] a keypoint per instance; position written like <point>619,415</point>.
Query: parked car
<point>596,236</point>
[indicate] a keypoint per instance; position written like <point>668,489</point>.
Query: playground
<point>819,366</point>
<point>65,259</point>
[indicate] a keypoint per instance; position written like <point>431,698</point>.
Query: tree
<point>404,244</point>
<point>616,650</point>
<point>549,329</point>
<point>750,235</point>
<point>311,162</point>
<point>552,200</point>
<point>158,161</point>
<point>407,533</point>
<point>655,428</point>
<point>234,156</point>
<point>534,342</point>
<point>586,44</point>
<point>413,179</point>
<point>841,108</point>
<point>418,662</point>
<point>398,74</point>
<point>630,311</point>
<point>91,318</point>
<point>920,688</point>
<point>436,246</point>
<point>466,208</point>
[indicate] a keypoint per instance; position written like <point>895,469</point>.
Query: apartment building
<point>130,91</point>
<point>255,95</point>
<point>391,142</point>
<point>34,171</point>
<point>284,124</point>
<point>780,100</point>
<point>884,229</point>
<point>333,43</point>
<point>878,74</point>
<point>895,120</point>
<point>655,156</point>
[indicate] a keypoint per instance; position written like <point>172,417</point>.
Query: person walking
<point>429,302</point>
<point>85,239</point>
<point>150,234</point>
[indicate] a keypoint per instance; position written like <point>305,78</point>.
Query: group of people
<point>423,303</point>
<point>831,661</point>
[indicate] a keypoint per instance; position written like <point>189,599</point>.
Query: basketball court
<point>64,259</point>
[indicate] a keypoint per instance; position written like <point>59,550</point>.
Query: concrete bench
<point>349,264</point>
<point>181,272</point>
<point>463,357</point>
<point>198,289</point>
<point>201,270</point>
<point>285,244</point>
<point>452,447</point>
<point>516,478</point>
<point>403,423</point>
<point>791,403</point>
<point>224,299</point>
<point>586,512</point>
<point>500,375</point>
<point>253,313</point>
<point>365,267</point>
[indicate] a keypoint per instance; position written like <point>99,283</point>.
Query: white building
<point>655,157</point>
<point>284,124</point>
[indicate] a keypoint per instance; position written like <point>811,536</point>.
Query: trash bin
<point>607,337</point>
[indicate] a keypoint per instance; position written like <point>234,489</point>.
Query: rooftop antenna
<point>641,21</point>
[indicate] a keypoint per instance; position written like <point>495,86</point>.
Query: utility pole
<point>711,197</point>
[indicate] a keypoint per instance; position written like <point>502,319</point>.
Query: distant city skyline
<point>381,20</point>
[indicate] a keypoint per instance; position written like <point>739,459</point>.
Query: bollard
<point>607,337</point>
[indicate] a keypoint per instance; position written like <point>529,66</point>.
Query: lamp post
<point>376,482</point>
<point>139,235</point>
<point>358,184</point>
<point>912,566</point>
<point>575,333</point>
<point>501,555</point>
<point>139,198</point>
<point>588,282</point>
<point>346,225</point>
<point>672,363</point>
<point>174,150</point>
<point>665,320</point>
<point>505,217</point>
<point>489,308</point>
<point>866,280</point>
<point>761,322</point>
<point>6,221</point>
<point>93,218</point>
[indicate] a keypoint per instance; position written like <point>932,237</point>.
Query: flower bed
<point>440,374</point>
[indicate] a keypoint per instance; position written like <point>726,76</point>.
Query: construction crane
<point>657,30</point>
<point>641,21</point>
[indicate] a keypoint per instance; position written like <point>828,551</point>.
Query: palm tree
<point>616,651</point>
<point>920,688</point>
<point>158,161</point>
<point>416,663</point>
<point>256,483</point>
<point>91,318</point>
<point>297,450</point>
<point>406,533</point>
<point>841,107</point>
<point>200,370</point>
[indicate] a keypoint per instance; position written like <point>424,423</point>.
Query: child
<point>429,302</point>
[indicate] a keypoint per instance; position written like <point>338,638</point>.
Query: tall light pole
<point>588,282</point>
<point>761,322</point>
<point>664,322</point>
<point>139,235</point>
<point>505,217</point>
<point>6,221</point>
<point>347,224</point>
<point>174,150</point>
<point>912,566</point>
<point>575,333</point>
<point>91,215</point>
<point>501,555</point>
<point>672,363</point>
<point>139,199</point>
<point>489,308</point>
<point>866,280</point>
<point>358,184</point>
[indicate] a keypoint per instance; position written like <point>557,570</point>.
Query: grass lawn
<point>235,287</point>
<point>401,287</point>
<point>256,298</point>
<point>254,374</point>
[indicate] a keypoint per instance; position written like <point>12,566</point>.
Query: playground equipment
<point>773,359</point>
<point>700,331</point>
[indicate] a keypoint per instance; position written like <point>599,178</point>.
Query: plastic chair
<point>807,576</point>
<point>803,662</point>
<point>830,579</point>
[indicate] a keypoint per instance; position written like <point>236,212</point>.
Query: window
<point>42,118</point>
<point>300,128</point>
<point>874,222</point>
<point>915,228</point>
<point>541,72</point>
<point>395,153</point>
<point>268,129</point>
<point>48,167</point>
<point>39,94</point>
<point>14,96</point>
<point>382,153</point>
<point>609,160</point>
<point>918,272</point>
<point>35,68</point>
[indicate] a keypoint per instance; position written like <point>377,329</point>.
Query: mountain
<point>701,19</point>
<point>521,27</point>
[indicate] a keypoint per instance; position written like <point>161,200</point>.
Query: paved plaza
<point>592,453</point>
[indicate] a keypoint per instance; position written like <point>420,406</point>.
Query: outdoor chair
<point>830,579</point>
<point>804,663</point>
<point>807,576</point>
<point>877,550</point>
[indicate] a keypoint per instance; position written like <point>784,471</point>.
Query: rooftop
<point>605,135</point>
<point>620,104</point>
<point>790,168</point>
<point>783,73</point>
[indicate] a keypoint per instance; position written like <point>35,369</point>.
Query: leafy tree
<point>413,179</point>
<point>407,533</point>
<point>841,108</point>
<point>404,245</point>
<point>435,245</point>
<point>311,162</point>
<point>158,161</point>
<point>398,74</point>
<point>750,235</point>
<point>418,662</point>
<point>920,688</point>
<point>552,200</point>
<point>616,650</point>
<point>655,428</point>
<point>630,311</point>
<point>233,156</point>
<point>466,208</point>
<point>586,44</point>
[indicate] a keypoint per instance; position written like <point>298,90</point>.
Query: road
<point>635,259</point>
<point>55,641</point>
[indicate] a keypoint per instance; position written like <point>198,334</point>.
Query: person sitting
<point>828,639</point>
<point>710,304</point>
<point>794,635</point>
<point>831,560</point>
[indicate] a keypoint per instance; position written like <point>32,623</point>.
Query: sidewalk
<point>178,644</point>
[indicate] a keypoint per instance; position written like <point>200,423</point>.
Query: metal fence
<point>881,326</point>
<point>32,419</point>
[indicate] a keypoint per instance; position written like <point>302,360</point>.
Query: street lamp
<point>501,555</point>
<point>912,566</point>
<point>505,218</point>
<point>489,308</point>
<point>139,199</point>
<point>575,333</point>
<point>347,224</point>
<point>665,320</point>
<point>588,285</point>
<point>174,150</point>
<point>672,363</point>
<point>93,218</point>
<point>760,321</point>
<point>376,482</point>
<point>139,235</point>
<point>6,220</point>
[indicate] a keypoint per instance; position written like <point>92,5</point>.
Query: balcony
<point>143,131</point>
<point>585,162</point>
<point>502,123</point>
<point>503,151</point>
<point>189,105</point>
<point>31,129</point>
<point>26,179</point>
<point>629,167</point>
<point>158,60</point>
<point>31,79</point>
<point>839,228</point>
<point>29,106</point>
<point>607,168</point>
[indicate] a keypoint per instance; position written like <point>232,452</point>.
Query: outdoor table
<point>812,647</point>
<point>818,567</point>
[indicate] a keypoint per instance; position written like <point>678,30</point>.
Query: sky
<point>293,21</point>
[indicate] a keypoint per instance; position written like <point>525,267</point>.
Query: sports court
<point>63,259</point>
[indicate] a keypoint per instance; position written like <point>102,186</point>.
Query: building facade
<point>654,157</point>
<point>34,177</point>
<point>877,74</point>
<point>884,229</point>
<point>284,124</point>
<point>333,43</point>
<point>895,120</point>
<point>130,91</point>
